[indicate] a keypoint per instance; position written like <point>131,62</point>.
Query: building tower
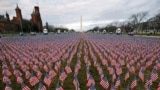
<point>18,13</point>
<point>7,17</point>
<point>46,25</point>
<point>18,18</point>
<point>36,18</point>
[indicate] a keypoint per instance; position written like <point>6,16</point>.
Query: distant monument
<point>81,24</point>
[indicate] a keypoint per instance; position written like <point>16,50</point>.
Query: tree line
<point>135,23</point>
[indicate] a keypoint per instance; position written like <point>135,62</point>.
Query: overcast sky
<point>94,12</point>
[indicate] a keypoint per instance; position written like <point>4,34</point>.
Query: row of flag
<point>40,64</point>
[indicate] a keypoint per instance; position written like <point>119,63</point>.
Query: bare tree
<point>137,19</point>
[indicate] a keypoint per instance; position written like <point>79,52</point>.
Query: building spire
<point>6,12</point>
<point>17,7</point>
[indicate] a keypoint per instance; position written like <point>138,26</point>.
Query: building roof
<point>17,7</point>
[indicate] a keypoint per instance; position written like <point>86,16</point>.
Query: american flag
<point>17,72</point>
<point>47,80</point>
<point>24,87</point>
<point>158,64</point>
<point>41,86</point>
<point>8,73</point>
<point>112,87</point>
<point>119,70</point>
<point>45,68</point>
<point>39,74</point>
<point>52,73</point>
<point>111,70</point>
<point>134,82</point>
<point>104,82</point>
<point>76,83</point>
<point>132,69</point>
<point>8,87</point>
<point>62,76</point>
<point>27,74</point>
<point>19,80</point>
<point>126,75</point>
<point>33,80</point>
<point>56,67</point>
<point>154,75</point>
<point>158,87</point>
<point>58,87</point>
<point>68,69</point>
<point>148,62</point>
<point>148,82</point>
<point>6,79</point>
<point>91,87</point>
<point>113,76</point>
<point>99,68</point>
<point>90,81</point>
<point>118,82</point>
<point>88,74</point>
<point>101,75</point>
<point>141,74</point>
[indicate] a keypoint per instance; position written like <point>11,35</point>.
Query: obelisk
<point>81,24</point>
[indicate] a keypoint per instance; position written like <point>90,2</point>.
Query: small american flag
<point>19,80</point>
<point>8,87</point>
<point>68,69</point>
<point>39,74</point>
<point>45,68</point>
<point>47,80</point>
<point>58,87</point>
<point>27,74</point>
<point>148,82</point>
<point>113,76</point>
<point>17,72</point>
<point>112,87</point>
<point>76,83</point>
<point>132,69</point>
<point>24,87</point>
<point>134,82</point>
<point>8,73</point>
<point>126,75</point>
<point>158,88</point>
<point>91,87</point>
<point>148,62</point>
<point>52,73</point>
<point>62,76</point>
<point>104,82</point>
<point>33,80</point>
<point>90,81</point>
<point>154,75</point>
<point>118,82</point>
<point>6,79</point>
<point>158,64</point>
<point>141,74</point>
<point>41,86</point>
<point>119,70</point>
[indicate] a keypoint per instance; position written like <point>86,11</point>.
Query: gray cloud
<point>94,12</point>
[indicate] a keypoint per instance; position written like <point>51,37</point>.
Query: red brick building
<point>14,25</point>
<point>36,18</point>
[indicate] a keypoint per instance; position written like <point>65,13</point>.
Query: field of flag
<point>79,62</point>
